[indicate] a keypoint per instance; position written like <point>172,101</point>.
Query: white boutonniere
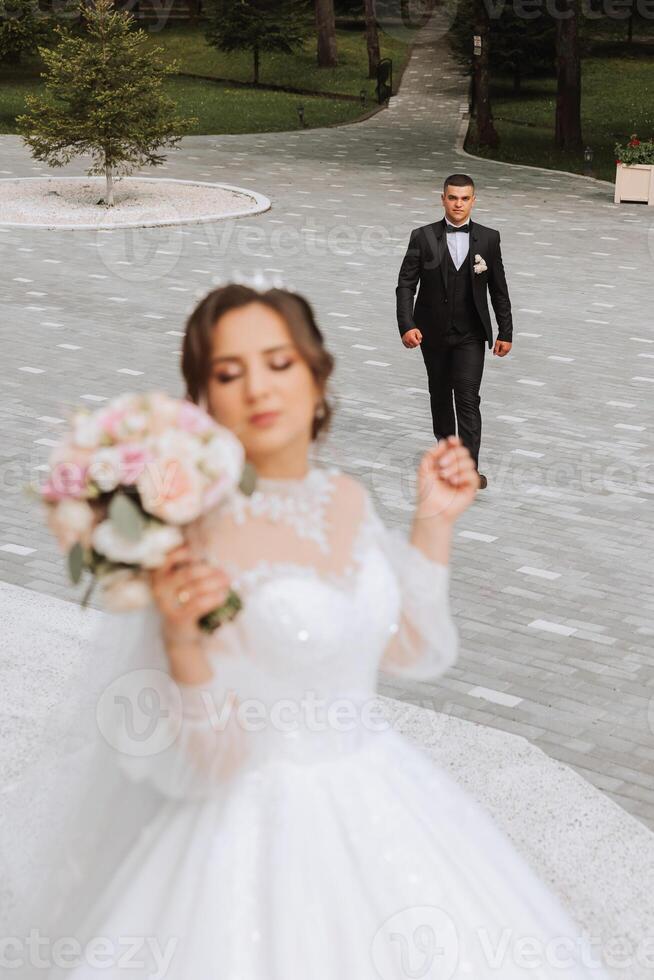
<point>479,266</point>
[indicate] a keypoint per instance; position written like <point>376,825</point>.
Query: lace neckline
<point>300,502</point>
<point>283,484</point>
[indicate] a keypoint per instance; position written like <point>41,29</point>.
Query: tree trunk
<point>567,129</point>
<point>326,28</point>
<point>486,132</point>
<point>372,37</point>
<point>109,192</point>
<point>193,12</point>
<point>255,52</point>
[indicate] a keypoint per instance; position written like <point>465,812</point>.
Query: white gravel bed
<point>140,202</point>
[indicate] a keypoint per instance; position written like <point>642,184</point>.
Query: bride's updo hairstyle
<point>296,312</point>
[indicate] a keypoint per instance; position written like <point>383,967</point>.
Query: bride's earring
<point>320,411</point>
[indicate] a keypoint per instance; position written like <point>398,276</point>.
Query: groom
<point>455,261</point>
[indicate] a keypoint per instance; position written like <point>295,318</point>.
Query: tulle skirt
<point>372,864</point>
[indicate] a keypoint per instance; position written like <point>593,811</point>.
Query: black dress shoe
<point>483,482</point>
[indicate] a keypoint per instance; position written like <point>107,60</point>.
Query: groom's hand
<point>502,347</point>
<point>412,338</point>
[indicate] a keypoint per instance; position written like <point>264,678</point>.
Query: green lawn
<point>12,100</point>
<point>298,70</point>
<point>617,100</point>
<point>221,108</point>
<point>225,109</point>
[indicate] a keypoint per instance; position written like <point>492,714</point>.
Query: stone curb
<point>260,204</point>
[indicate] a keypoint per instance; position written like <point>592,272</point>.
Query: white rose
<point>175,442</point>
<point>71,521</point>
<point>149,552</point>
<point>123,591</point>
<point>105,468</point>
<point>162,411</point>
<point>134,424</point>
<point>224,455</point>
<point>87,431</point>
<point>75,515</point>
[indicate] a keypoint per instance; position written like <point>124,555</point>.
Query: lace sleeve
<point>426,641</point>
<point>184,739</point>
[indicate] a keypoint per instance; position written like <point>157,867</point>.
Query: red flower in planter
<point>634,142</point>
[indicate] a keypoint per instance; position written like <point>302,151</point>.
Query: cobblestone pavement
<point>552,584</point>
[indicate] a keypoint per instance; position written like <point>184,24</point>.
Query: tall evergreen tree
<point>567,130</point>
<point>103,96</point>
<point>326,30</point>
<point>486,134</point>
<point>372,37</point>
<point>24,25</point>
<point>523,48</point>
<point>256,26</point>
<point>520,47</point>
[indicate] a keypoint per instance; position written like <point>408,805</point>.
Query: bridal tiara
<point>262,282</point>
<point>258,280</point>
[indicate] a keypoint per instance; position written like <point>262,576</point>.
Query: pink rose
<point>125,417</point>
<point>171,488</point>
<point>111,422</point>
<point>68,474</point>
<point>133,459</point>
<point>194,419</point>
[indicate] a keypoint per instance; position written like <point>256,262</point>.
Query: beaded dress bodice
<point>320,601</point>
<point>329,596</point>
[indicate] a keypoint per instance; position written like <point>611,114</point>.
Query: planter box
<point>635,183</point>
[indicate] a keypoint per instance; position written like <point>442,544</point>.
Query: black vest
<point>463,319</point>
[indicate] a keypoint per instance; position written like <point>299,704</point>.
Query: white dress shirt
<point>458,244</point>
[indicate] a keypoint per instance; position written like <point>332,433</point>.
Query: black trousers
<point>454,371</point>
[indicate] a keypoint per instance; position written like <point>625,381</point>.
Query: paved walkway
<point>552,569</point>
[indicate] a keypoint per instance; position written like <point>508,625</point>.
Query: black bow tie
<point>465,228</point>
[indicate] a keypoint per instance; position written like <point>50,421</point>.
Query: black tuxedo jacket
<point>425,263</point>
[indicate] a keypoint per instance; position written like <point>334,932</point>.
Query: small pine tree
<point>256,26</point>
<point>103,96</point>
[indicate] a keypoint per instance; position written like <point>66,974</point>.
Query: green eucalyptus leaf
<point>126,517</point>
<point>76,562</point>
<point>248,479</point>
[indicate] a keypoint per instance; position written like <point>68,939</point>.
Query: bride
<point>233,806</point>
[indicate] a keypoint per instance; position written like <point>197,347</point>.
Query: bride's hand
<point>185,590</point>
<point>447,481</point>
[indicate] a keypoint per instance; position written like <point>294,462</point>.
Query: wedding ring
<point>183,597</point>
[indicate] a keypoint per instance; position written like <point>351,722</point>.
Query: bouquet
<point>126,480</point>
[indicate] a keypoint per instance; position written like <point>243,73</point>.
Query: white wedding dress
<point>297,836</point>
